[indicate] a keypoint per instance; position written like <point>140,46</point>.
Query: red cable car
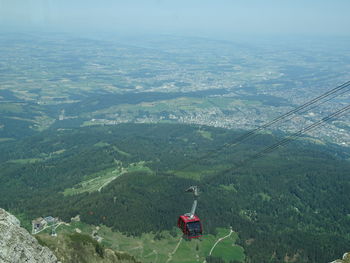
<point>191,227</point>
<point>189,223</point>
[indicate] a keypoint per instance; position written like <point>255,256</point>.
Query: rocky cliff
<point>346,259</point>
<point>17,245</point>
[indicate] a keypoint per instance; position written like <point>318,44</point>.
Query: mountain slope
<point>282,206</point>
<point>82,248</point>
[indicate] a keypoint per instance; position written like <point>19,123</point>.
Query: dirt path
<point>108,182</point>
<point>154,252</point>
<point>218,241</point>
<point>174,251</point>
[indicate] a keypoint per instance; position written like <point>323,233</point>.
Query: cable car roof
<point>187,219</point>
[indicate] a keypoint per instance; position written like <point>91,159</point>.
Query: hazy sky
<point>190,17</point>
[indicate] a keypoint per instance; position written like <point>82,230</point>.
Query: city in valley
<point>65,81</point>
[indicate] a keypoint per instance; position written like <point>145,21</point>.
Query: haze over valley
<point>174,131</point>
<point>55,81</point>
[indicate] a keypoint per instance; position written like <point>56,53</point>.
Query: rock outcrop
<point>18,246</point>
<point>346,259</point>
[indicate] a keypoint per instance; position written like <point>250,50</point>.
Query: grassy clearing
<point>145,248</point>
<point>41,157</point>
<point>101,144</point>
<point>26,161</point>
<point>230,187</point>
<point>195,175</point>
<point>73,226</point>
<point>58,152</point>
<point>205,134</point>
<point>228,250</point>
<point>138,167</point>
<point>121,152</point>
<point>43,122</point>
<point>10,108</point>
<point>155,248</point>
<point>89,123</point>
<point>98,181</point>
<point>6,139</point>
<point>265,196</point>
<point>198,174</point>
<point>20,119</point>
<point>95,182</point>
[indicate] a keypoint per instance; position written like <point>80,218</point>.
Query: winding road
<point>218,241</point>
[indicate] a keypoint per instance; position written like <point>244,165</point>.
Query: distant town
<point>223,85</point>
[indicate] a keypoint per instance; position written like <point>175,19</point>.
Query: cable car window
<point>194,228</point>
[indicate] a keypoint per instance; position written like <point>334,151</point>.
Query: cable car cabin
<point>191,227</point>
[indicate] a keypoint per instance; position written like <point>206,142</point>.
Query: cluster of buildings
<point>41,223</point>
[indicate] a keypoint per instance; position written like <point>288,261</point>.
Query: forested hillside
<point>291,204</point>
